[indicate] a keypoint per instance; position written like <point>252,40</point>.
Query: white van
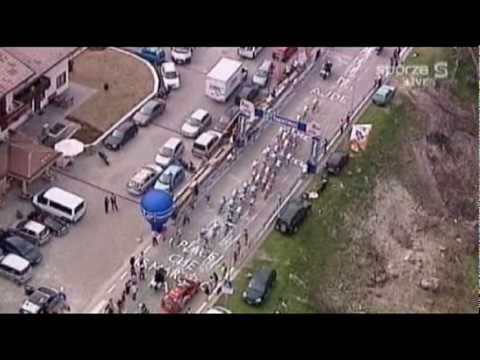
<point>249,52</point>
<point>206,144</point>
<point>61,203</point>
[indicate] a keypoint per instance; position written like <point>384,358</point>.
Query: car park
<point>337,161</point>
<point>121,135</point>
<point>172,150</point>
<point>149,111</point>
<point>196,123</point>
<point>247,92</point>
<point>44,300</point>
<point>58,202</point>
<point>143,179</point>
<point>206,144</point>
<point>15,268</point>
<point>170,179</point>
<point>38,234</point>
<point>384,95</point>
<point>11,243</point>
<point>181,55</point>
<point>262,75</point>
<point>259,286</point>
<point>292,215</point>
<point>170,75</point>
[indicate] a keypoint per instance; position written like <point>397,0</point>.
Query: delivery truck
<point>224,78</point>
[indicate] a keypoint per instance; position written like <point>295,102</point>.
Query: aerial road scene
<point>239,180</point>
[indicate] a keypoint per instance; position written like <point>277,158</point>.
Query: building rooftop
<point>12,72</point>
<point>18,64</point>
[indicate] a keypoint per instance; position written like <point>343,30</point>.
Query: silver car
<point>149,111</point>
<point>33,231</point>
<point>15,268</point>
<point>144,178</point>
<point>171,151</point>
<point>197,123</point>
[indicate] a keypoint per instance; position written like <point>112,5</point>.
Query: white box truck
<point>224,78</point>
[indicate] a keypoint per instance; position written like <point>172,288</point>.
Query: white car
<point>144,178</point>
<point>15,268</point>
<point>197,123</point>
<point>171,151</point>
<point>218,310</point>
<point>181,55</point>
<point>170,75</point>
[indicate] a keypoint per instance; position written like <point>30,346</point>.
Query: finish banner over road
<point>271,116</point>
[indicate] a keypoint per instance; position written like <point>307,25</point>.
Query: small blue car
<point>170,179</point>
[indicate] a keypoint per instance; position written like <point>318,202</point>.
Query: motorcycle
<point>104,157</point>
<point>326,71</point>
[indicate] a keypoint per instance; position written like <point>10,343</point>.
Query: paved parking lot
<point>100,244</point>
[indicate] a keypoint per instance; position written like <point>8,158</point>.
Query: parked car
<point>172,150</point>
<point>284,53</point>
<point>170,75</point>
<point>57,226</point>
<point>259,286</point>
<point>384,95</point>
<point>225,120</point>
<point>149,111</point>
<point>154,55</point>
<point>205,145</point>
<point>170,179</point>
<point>337,162</point>
<point>11,243</point>
<point>218,310</point>
<point>292,216</point>
<point>62,203</point>
<point>38,234</point>
<point>196,123</point>
<point>44,300</point>
<point>15,268</point>
<point>262,75</point>
<point>143,179</point>
<point>121,135</point>
<point>181,55</point>
<point>247,92</point>
<point>249,52</point>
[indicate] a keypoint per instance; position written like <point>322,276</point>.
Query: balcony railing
<point>19,109</point>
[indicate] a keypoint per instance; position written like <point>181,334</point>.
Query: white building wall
<point>52,74</point>
<point>9,101</point>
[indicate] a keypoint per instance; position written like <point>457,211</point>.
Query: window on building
<point>61,79</point>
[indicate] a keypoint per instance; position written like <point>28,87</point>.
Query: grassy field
<point>316,255</point>
<point>129,81</point>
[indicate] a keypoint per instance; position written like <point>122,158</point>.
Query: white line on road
<point>111,289</point>
<point>147,249</point>
<point>97,308</point>
<point>124,275</point>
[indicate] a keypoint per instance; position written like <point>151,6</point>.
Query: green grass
<point>317,253</point>
<point>466,84</point>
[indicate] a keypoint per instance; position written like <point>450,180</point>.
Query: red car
<point>178,297</point>
<point>284,53</point>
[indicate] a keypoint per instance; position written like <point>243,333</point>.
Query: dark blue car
<point>153,55</point>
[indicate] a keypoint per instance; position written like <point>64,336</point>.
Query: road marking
<point>109,291</point>
<point>100,305</point>
<point>124,275</point>
<point>147,249</point>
